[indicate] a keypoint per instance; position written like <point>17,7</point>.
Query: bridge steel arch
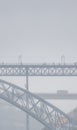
<point>49,115</point>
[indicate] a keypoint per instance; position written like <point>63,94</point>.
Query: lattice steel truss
<point>50,116</point>
<point>38,70</point>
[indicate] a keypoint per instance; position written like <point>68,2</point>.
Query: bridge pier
<point>27,116</point>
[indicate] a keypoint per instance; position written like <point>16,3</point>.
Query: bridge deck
<point>38,69</point>
<point>71,96</point>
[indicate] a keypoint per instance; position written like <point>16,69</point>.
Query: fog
<point>14,119</point>
<point>37,31</point>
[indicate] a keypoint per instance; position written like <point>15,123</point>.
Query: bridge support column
<point>27,116</point>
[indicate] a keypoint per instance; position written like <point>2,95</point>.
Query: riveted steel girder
<point>38,70</point>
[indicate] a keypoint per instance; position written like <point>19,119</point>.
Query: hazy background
<point>40,31</point>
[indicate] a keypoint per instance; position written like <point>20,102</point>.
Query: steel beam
<point>38,70</point>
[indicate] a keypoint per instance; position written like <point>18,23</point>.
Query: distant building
<point>73,114</point>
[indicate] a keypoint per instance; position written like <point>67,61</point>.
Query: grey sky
<point>39,30</point>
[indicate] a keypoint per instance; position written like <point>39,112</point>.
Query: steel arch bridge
<point>50,116</point>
